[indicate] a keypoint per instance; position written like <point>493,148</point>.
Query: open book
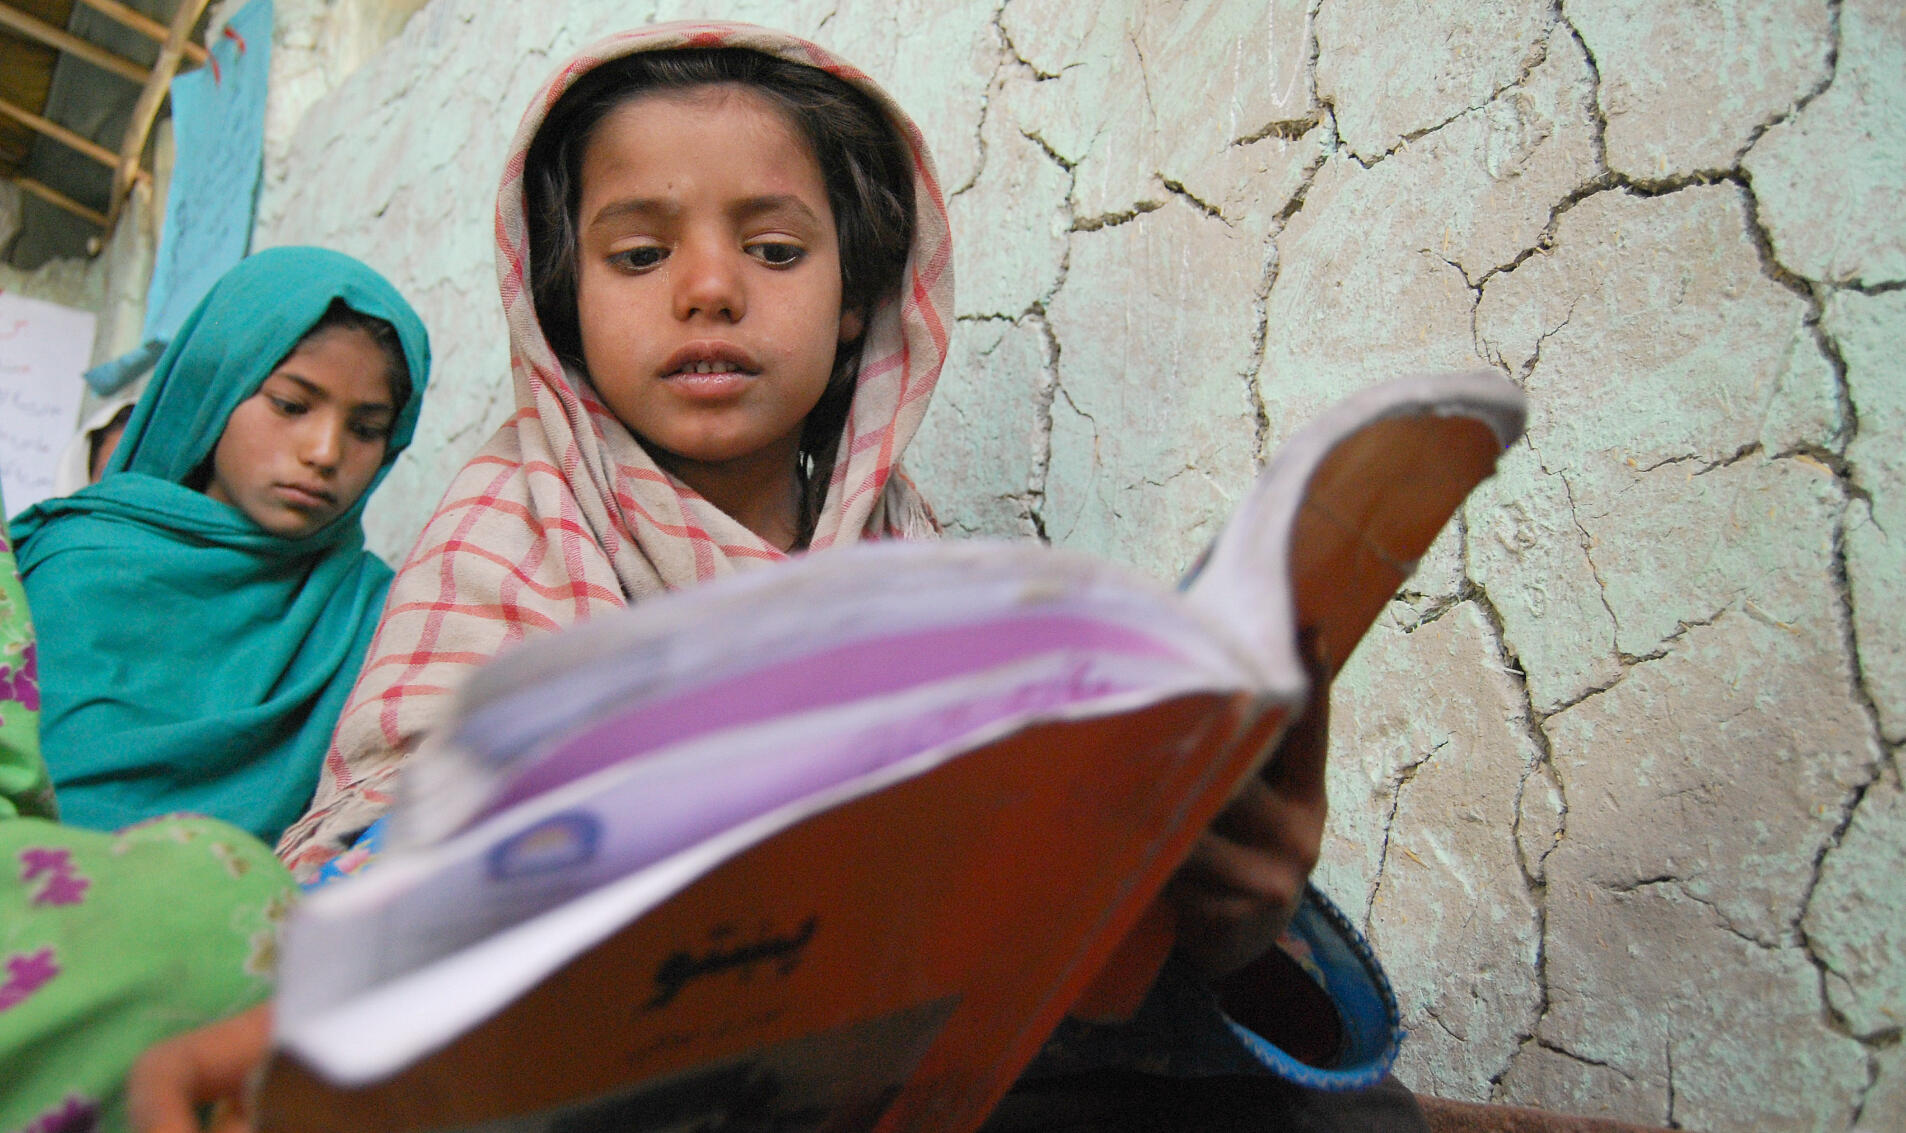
<point>836,845</point>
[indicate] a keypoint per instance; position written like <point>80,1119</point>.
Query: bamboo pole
<point>146,110</point>
<point>143,24</point>
<point>54,196</point>
<point>71,44</point>
<point>60,134</point>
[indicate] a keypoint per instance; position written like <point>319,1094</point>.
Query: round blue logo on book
<point>558,843</point>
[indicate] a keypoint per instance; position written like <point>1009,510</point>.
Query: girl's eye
<point>364,432</point>
<point>637,259</point>
<point>287,407</point>
<point>776,254</point>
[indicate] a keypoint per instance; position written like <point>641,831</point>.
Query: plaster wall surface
<point>1616,781</point>
<point>111,284</point>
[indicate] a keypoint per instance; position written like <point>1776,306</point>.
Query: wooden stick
<point>71,44</point>
<point>54,196</point>
<point>60,134</point>
<point>146,110</point>
<point>143,24</point>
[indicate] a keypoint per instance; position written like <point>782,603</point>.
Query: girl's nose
<point>708,282</point>
<point>323,442</point>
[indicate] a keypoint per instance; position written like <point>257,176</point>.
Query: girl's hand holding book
<point>1244,880</point>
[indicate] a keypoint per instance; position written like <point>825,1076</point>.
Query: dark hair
<point>865,164</point>
<point>339,316</point>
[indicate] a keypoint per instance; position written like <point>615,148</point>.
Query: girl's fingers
<point>1231,901</point>
<point>1271,822</point>
<point>175,1078</point>
<point>1246,875</point>
<point>1296,768</point>
<point>1225,874</point>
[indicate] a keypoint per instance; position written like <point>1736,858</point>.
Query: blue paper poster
<point>218,126</point>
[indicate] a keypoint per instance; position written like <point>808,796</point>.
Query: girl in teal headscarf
<point>204,608</point>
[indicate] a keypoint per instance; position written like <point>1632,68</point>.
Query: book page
<point>1338,519</point>
<point>846,625</point>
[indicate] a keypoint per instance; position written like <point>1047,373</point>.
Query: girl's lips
<point>305,499</point>
<point>700,360</point>
<point>719,386</point>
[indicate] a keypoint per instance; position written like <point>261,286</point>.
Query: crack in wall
<point>1185,470</point>
<point>1850,490</point>
<point>1283,129</point>
<point>1057,158</point>
<point>1866,1091</point>
<point>1430,1012</point>
<point>1605,178</point>
<point>1041,470</point>
<point>1002,59</point>
<point>1885,287</point>
<point>1667,1054</point>
<point>1597,116</point>
<point>1679,885</point>
<point>1260,337</point>
<point>1050,386</point>
<point>1115,219</point>
<point>1059,393</point>
<point>1401,779</point>
<point>1851,799</point>
<point>1845,476</point>
<point>1556,1048</point>
<point>1794,109</point>
<point>1631,661</point>
<point>1537,54</point>
<point>1703,465</point>
<point>1606,181</point>
<point>999,22</point>
<point>1585,540</point>
<point>1534,880</point>
<point>1593,691</point>
<point>1438,607</point>
<point>1210,210</point>
<point>1281,219</point>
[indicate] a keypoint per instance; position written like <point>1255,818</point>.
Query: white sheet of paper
<point>44,348</point>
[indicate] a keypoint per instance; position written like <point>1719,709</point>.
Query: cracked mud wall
<point>1616,782</point>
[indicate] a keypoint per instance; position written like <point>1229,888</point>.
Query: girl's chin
<point>288,524</point>
<point>728,458</point>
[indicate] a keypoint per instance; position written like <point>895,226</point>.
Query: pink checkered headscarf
<point>562,514</point>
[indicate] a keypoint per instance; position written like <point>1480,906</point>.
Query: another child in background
<point>85,457</point>
<point>108,942</point>
<point>725,265</point>
<point>204,608</point>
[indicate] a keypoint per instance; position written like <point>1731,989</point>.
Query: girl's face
<point>709,279</point>
<point>301,450</point>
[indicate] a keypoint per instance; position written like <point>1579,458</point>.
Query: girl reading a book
<point>204,608</point>
<point>725,264</point>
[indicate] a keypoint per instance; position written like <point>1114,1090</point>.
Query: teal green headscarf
<point>189,660</point>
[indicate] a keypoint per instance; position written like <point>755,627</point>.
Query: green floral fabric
<point>109,942</point>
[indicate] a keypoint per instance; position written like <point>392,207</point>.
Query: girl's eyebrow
<point>664,210</point>
<point>773,203</point>
<point>311,388</point>
<point>635,206</point>
<point>319,393</point>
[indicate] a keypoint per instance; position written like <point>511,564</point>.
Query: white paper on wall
<point>44,348</point>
